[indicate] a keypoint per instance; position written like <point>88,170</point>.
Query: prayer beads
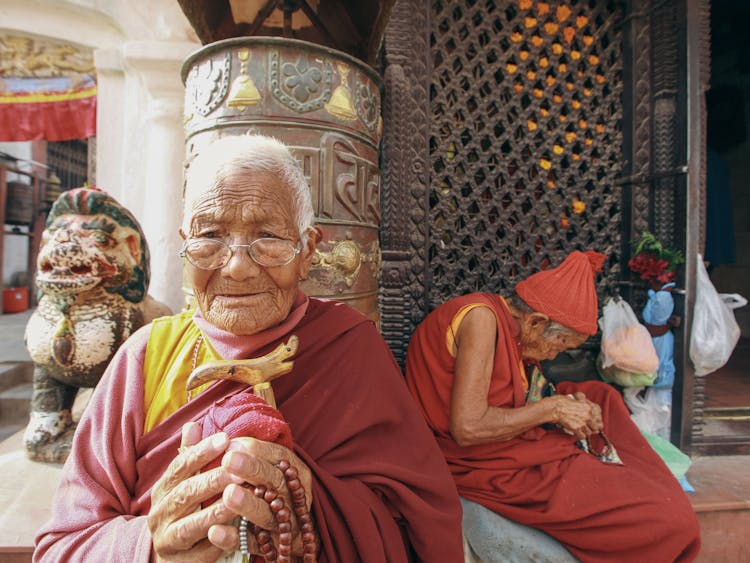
<point>283,515</point>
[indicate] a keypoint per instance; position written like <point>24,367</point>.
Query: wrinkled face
<point>79,252</point>
<point>243,297</point>
<point>537,345</point>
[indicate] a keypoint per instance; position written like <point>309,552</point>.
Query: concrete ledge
<point>26,491</point>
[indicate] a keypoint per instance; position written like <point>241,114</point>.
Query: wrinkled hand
<point>577,415</point>
<point>179,526</point>
<point>255,462</point>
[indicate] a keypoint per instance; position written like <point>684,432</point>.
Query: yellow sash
<point>170,357</point>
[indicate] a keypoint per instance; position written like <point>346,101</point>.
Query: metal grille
<point>526,140</point>
<point>69,160</point>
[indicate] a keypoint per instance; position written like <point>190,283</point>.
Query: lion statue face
<point>90,240</point>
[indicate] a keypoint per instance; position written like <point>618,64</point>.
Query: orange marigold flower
<point>562,13</point>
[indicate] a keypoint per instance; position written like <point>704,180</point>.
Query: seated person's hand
<point>577,415</point>
<point>260,466</point>
<point>179,525</point>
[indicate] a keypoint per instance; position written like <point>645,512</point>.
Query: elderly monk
<point>344,470</point>
<point>569,461</point>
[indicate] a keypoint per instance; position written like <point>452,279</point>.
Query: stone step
<point>722,503</point>
<point>14,373</point>
<point>15,403</point>
<point>8,430</point>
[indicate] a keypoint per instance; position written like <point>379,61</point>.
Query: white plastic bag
<point>651,410</point>
<point>626,343</point>
<point>715,331</point>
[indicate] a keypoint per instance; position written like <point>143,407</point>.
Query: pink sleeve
<point>93,516</point>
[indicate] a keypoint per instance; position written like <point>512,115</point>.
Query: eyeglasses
<point>212,254</point>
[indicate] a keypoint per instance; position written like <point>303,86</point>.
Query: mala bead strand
<point>283,516</point>
<point>244,549</point>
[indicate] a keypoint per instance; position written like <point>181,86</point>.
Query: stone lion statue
<point>93,275</point>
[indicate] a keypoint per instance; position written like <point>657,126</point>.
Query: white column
<point>110,105</point>
<point>156,151</point>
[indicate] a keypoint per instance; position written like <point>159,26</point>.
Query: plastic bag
<point>651,410</point>
<point>715,331</point>
<point>626,344</point>
<point>677,462</point>
<point>624,378</point>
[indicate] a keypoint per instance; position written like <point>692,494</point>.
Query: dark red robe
<point>600,512</point>
<point>380,484</point>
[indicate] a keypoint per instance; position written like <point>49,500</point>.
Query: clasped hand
<point>577,415</point>
<point>183,530</point>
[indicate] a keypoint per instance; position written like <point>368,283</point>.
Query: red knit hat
<point>566,294</point>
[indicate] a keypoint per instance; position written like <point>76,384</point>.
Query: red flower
<point>650,268</point>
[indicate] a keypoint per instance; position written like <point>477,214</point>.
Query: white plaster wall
<point>138,46</point>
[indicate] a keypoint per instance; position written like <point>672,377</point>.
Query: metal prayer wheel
<point>324,105</point>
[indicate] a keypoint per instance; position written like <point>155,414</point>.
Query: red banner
<point>30,112</point>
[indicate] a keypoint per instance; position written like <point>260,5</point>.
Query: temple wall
<point>138,48</point>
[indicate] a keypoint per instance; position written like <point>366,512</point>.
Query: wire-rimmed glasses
<point>212,254</point>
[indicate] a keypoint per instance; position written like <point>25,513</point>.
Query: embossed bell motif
<point>340,105</point>
<point>243,92</point>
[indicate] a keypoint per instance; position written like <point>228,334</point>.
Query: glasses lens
<point>272,251</point>
<point>207,254</point>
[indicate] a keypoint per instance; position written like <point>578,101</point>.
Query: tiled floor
<point>722,502</point>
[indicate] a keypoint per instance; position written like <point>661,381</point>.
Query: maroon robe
<point>600,512</point>
<point>380,484</point>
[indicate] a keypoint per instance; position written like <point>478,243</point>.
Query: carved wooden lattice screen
<point>525,141</point>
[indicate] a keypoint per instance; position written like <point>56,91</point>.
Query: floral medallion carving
<point>299,85</point>
<point>206,85</point>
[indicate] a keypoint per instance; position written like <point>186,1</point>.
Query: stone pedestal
<point>26,491</point>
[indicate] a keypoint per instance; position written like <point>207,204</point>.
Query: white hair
<point>247,154</point>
